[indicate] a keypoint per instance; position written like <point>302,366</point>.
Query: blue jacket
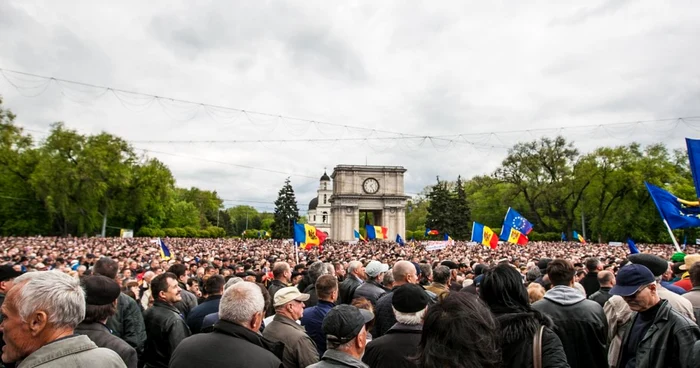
<point>670,287</point>
<point>312,320</point>
<point>196,316</point>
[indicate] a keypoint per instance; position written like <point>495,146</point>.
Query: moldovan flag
<point>359,236</point>
<point>306,235</point>
<point>484,235</point>
<point>376,232</point>
<point>516,237</point>
<point>431,232</point>
<point>580,238</point>
<point>164,250</point>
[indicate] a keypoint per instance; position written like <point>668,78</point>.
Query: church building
<point>319,214</point>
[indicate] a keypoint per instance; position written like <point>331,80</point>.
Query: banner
<point>435,245</point>
<point>615,244</point>
<point>126,233</point>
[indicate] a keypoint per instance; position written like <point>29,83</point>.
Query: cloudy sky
<point>473,77</point>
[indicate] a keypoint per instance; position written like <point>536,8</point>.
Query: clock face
<point>370,186</point>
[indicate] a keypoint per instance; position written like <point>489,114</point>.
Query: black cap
<point>7,272</point>
<point>450,264</point>
<point>631,278</point>
<point>657,265</point>
<point>344,322</point>
<point>409,298</point>
<point>543,263</point>
<point>100,290</point>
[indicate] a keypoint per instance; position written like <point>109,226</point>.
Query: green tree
<point>286,212</point>
<point>183,214</point>
<point>439,216</point>
<point>460,212</point>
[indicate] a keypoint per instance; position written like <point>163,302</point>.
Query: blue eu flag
<point>677,214</point>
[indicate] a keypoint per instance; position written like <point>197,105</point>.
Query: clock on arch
<point>370,186</point>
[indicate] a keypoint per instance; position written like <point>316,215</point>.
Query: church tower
<point>319,214</point>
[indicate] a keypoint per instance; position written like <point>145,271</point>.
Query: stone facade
<point>319,214</point>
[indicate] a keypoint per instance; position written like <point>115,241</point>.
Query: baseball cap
<point>409,298</point>
<point>100,290</point>
<point>630,278</point>
<point>286,295</point>
<point>7,272</point>
<point>344,322</point>
<point>678,257</point>
<point>374,268</point>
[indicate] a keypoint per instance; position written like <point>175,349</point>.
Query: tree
<point>460,212</point>
<point>286,212</point>
<point>183,214</point>
<point>439,210</point>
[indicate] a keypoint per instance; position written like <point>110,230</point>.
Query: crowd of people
<point>116,302</point>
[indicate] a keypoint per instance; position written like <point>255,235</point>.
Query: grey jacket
<point>299,350</point>
<point>75,352</point>
<point>335,358</point>
<point>668,342</point>
<point>371,290</point>
<point>102,337</point>
<point>188,302</point>
<point>693,296</point>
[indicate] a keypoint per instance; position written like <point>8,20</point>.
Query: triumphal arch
<point>375,190</point>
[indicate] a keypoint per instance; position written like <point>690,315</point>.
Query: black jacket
<point>188,302</point>
<point>229,346</point>
<point>313,297</point>
<point>601,296</point>
<point>347,289</point>
<point>396,348</point>
<point>196,316</point>
<point>668,342</point>
<point>384,316</point>
<point>102,337</point>
<point>127,323</point>
<point>371,290</point>
<point>580,324</point>
<point>517,333</point>
<point>590,283</point>
<point>275,285</point>
<point>165,328</point>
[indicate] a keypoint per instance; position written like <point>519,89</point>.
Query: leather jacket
<point>166,328</point>
<point>668,342</point>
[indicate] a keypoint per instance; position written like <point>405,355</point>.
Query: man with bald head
<point>606,279</point>
<point>404,272</point>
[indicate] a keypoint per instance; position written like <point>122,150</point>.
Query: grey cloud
<point>582,15</point>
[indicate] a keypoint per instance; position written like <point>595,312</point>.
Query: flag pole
<point>673,237</point>
<point>296,253</point>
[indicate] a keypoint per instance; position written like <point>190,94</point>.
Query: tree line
<point>560,190</point>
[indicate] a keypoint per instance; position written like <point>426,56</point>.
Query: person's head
<point>409,302</point>
<point>7,276</point>
<point>243,304</point>
<point>636,284</point>
<point>442,275</point>
<point>289,302</point>
<point>375,270</point>
<point>41,307</point>
<point>164,288</point>
<point>339,269</point>
<point>503,291</point>
<point>101,295</point>
<point>327,288</point>
<point>606,279</point>
<point>580,274</point>
<point>214,285</point>
<point>426,273</point>
<point>356,269</point>
<point>180,272</point>
<point>316,270</point>
<point>232,281</point>
<point>532,274</point>
<point>561,272</point>
<point>364,303</point>
<point>106,267</point>
<point>404,272</point>
<point>535,292</point>
<point>695,274</point>
<point>148,276</point>
<point>282,272</point>
<point>594,265</point>
<point>344,326</point>
<point>388,280</point>
<point>448,330</point>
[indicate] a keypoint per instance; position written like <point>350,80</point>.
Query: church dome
<point>313,204</point>
<point>325,177</point>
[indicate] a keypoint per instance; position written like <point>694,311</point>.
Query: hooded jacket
<point>580,324</point>
<point>517,333</point>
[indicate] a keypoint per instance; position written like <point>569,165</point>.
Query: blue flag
<point>563,236</point>
<point>694,157</point>
<point>633,247</point>
<point>164,250</point>
<point>399,240</point>
<point>515,221</point>
<point>677,214</point>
